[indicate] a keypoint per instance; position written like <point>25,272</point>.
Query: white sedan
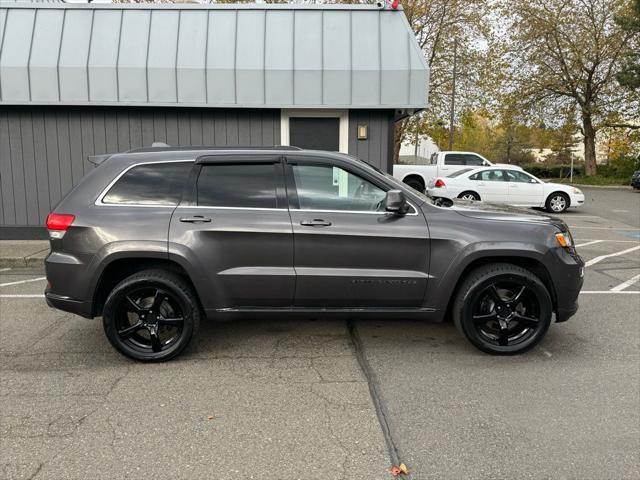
<point>510,185</point>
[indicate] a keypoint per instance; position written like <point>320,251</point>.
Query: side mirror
<point>396,202</point>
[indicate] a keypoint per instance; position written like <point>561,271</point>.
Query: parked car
<point>509,185</point>
<point>441,164</point>
<point>156,240</point>
<point>635,179</point>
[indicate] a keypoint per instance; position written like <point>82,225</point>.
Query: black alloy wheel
<point>503,309</point>
<point>151,316</point>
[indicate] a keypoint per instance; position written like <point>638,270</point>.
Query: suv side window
<point>150,184</point>
<point>238,185</point>
<point>325,187</point>
<point>474,160</point>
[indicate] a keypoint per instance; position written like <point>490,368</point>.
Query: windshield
<point>459,172</point>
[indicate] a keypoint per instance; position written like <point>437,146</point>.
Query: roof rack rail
<point>162,148</point>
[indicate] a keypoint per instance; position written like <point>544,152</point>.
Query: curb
<point>603,187</point>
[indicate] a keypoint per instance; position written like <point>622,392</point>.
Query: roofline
<point>193,6</point>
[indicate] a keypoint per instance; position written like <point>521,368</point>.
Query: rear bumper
<point>68,304</point>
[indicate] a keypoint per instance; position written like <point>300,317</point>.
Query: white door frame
<point>343,115</point>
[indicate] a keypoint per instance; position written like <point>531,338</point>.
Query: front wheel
<point>503,309</point>
<point>557,202</point>
<point>151,316</point>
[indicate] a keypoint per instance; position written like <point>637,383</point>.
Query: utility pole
<point>453,92</point>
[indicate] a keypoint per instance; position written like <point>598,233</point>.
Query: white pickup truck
<point>441,164</point>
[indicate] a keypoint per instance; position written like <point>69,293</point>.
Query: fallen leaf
<point>404,469</point>
<point>210,417</point>
<point>395,471</point>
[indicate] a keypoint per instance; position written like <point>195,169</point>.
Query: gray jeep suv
<point>155,240</point>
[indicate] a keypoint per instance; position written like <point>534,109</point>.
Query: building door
<point>315,133</point>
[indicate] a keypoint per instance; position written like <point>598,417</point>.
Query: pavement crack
<point>374,391</point>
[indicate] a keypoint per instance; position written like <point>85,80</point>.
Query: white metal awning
<point>258,56</point>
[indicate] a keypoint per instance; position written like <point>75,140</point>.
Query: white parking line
<point>34,295</point>
<point>593,261</point>
<point>592,242</point>
<point>624,292</point>
<point>22,281</point>
<point>605,228</point>
<point>617,241</point>
<point>628,283</point>
<point>4,269</point>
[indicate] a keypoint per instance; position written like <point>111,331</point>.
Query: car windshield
<point>459,172</point>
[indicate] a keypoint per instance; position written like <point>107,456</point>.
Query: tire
<point>415,183</point>
<point>469,196</point>
<point>557,202</point>
<point>502,309</point>
<point>136,331</point>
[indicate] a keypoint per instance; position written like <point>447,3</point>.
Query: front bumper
<point>567,274</point>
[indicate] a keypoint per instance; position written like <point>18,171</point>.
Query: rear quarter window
<point>150,184</point>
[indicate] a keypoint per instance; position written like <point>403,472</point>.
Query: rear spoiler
<point>98,159</point>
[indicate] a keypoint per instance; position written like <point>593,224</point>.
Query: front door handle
<point>316,222</point>
<point>195,219</point>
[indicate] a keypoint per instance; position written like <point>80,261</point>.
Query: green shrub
<point>542,170</point>
<point>620,167</point>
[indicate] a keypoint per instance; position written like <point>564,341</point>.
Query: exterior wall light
<point>363,131</point>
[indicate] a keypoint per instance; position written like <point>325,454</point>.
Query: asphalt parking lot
<point>319,399</point>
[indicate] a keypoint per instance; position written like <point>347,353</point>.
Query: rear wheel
<point>557,202</point>
<point>415,183</point>
<point>469,196</point>
<point>151,316</point>
<point>503,309</point>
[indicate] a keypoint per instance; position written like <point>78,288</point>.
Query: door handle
<point>481,184</point>
<point>195,219</point>
<point>316,222</point>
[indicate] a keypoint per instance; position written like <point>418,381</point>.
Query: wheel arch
<point>529,261</point>
<point>415,176</point>
<point>117,268</point>
<point>469,191</point>
<point>558,191</point>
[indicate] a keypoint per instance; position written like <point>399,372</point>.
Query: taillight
<point>439,183</point>
<point>59,221</point>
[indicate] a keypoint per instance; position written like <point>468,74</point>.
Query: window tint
<point>489,176</point>
<point>474,160</point>
<point>151,184</point>
<point>454,159</point>
<point>324,187</point>
<point>238,185</point>
<point>516,176</point>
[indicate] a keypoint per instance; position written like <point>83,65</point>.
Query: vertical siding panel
<point>99,133</point>
<point>88,143</point>
<point>52,156</point>
<point>29,165</point>
<point>266,119</point>
<point>42,168</point>
<point>171,119</point>
<point>374,136</point>
<point>195,122</point>
<point>146,118</point>
<point>184,128</point>
<point>17,168</point>
<point>75,142</point>
<point>244,128</point>
<point>111,131</point>
<point>122,121</point>
<point>208,128</point>
<point>233,138</point>
<point>160,127</point>
<point>64,145</point>
<point>6,176</point>
<point>220,128</point>
<point>255,123</point>
<point>135,128</point>
<point>353,133</point>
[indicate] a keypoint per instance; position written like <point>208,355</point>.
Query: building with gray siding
<point>85,79</point>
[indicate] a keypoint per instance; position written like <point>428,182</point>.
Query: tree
<point>629,76</point>
<point>567,52</point>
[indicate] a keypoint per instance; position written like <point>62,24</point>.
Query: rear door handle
<point>195,219</point>
<point>316,222</point>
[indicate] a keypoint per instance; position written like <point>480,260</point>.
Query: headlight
<point>564,239</point>
<point>576,191</point>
